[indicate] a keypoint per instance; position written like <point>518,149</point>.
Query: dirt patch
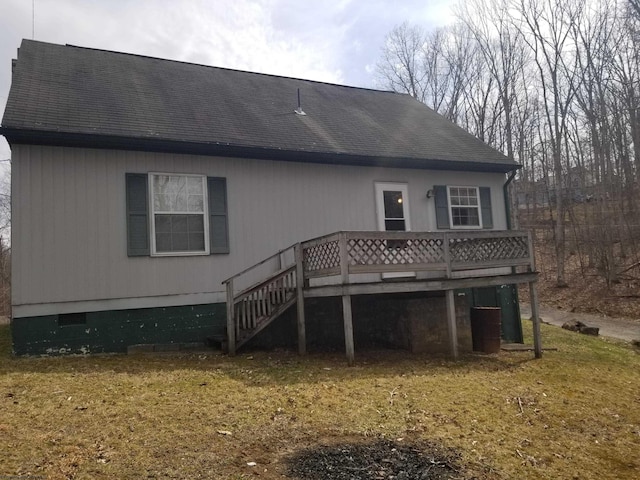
<point>378,460</point>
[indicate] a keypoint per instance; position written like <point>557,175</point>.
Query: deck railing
<point>380,252</point>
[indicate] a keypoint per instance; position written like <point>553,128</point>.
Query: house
<point>142,187</point>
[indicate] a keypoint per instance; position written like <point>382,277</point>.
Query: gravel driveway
<point>626,329</point>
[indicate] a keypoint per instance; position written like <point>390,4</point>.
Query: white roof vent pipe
<point>299,110</point>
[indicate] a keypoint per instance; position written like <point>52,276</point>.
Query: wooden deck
<point>357,263</point>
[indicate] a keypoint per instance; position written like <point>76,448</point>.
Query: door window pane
<point>393,204</point>
<point>394,216</point>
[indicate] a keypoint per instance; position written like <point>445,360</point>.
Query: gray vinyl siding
<point>69,241</point>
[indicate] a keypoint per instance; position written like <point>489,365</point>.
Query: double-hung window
<point>464,207</point>
<point>179,220</point>
<point>176,214</point>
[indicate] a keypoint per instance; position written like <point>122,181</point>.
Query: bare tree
<point>457,55</point>
<point>433,67</point>
<point>402,66</point>
<point>435,83</point>
<point>505,57</point>
<point>503,51</point>
<point>546,25</point>
<point>627,71</point>
<point>555,84</point>
<point>481,105</point>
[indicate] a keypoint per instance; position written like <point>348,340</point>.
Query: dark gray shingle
<point>83,91</point>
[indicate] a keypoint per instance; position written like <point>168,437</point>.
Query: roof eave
<point>63,139</point>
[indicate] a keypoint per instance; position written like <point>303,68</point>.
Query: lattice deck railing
<point>379,252</point>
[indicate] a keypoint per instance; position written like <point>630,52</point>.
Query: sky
<point>337,41</point>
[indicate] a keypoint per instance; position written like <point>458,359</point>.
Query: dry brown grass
<point>573,414</point>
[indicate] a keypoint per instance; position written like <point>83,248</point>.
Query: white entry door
<point>392,207</point>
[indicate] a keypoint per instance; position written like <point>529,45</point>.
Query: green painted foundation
<point>416,322</point>
<point>114,331</point>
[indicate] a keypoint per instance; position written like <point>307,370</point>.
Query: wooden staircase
<point>259,305</point>
<point>253,308</point>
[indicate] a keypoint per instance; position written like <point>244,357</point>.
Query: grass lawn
<point>575,413</point>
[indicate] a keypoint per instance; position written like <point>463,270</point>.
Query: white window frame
<point>451,207</point>
<point>380,188</point>
<point>152,216</point>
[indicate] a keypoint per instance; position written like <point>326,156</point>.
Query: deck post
<point>447,253</point>
<point>347,316</point>
<point>452,326</point>
<point>302,336</point>
<point>231,324</point>
<point>451,322</point>
<point>533,298</point>
<point>348,328</point>
<point>535,318</point>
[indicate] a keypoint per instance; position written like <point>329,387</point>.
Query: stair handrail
<point>268,259</point>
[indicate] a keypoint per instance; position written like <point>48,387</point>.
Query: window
<point>464,206</point>
<point>179,223</point>
<point>175,214</point>
<point>460,207</point>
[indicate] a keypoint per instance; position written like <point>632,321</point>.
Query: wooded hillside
<point>555,85</point>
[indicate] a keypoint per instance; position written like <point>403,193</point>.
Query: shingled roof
<point>67,95</point>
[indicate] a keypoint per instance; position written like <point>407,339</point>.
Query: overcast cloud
<point>336,41</point>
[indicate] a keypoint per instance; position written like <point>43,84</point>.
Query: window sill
<point>466,227</point>
<point>180,254</point>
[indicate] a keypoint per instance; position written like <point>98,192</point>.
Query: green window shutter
<point>137,215</point>
<point>442,206</point>
<point>218,218</point>
<point>485,206</point>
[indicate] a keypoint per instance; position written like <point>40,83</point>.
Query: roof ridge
<point>228,69</point>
